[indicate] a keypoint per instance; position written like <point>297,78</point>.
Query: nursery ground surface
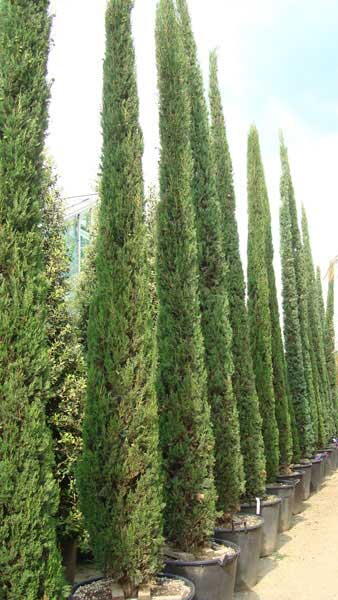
<point>305,566</point>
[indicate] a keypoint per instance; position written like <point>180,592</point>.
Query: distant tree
<point>216,329</point>
<point>243,378</point>
<point>119,478</point>
<point>185,427</point>
<point>326,381</point>
<point>330,346</point>
<point>67,373</point>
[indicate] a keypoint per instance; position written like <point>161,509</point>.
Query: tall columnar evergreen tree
<point>214,304</point>
<point>278,358</point>
<point>292,328</point>
<point>30,564</point>
<point>299,265</point>
<point>120,489</point>
<point>259,303</point>
<point>316,347</point>
<point>185,427</point>
<point>67,374</point>
<point>326,380</point>
<point>330,345</point>
<point>243,378</point>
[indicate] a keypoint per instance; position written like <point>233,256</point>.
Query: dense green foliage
<point>259,303</point>
<point>292,326</point>
<point>216,329</point>
<point>330,348</point>
<point>243,378</point>
<point>278,359</point>
<point>120,491</point>
<point>185,427</point>
<point>322,354</point>
<point>67,373</point>
<point>30,564</point>
<point>316,346</point>
<point>299,264</point>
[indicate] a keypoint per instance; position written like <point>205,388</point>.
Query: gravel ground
<point>305,566</point>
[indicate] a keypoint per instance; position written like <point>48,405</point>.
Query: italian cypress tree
<point>243,378</point>
<point>278,358</point>
<point>326,381</point>
<point>185,427</point>
<point>216,329</point>
<point>67,375</point>
<point>259,303</point>
<point>120,489</point>
<point>292,328</point>
<point>330,345</point>
<point>316,346</point>
<point>30,564</point>
<point>299,265</point>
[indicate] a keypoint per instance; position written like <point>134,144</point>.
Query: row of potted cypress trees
<point>189,415</point>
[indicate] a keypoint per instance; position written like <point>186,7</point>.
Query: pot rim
<point>290,475</point>
<point>280,485</point>
<point>242,528</point>
<point>302,466</point>
<point>265,503</point>
<point>189,583</point>
<point>208,562</point>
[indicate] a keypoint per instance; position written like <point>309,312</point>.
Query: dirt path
<point>305,566</point>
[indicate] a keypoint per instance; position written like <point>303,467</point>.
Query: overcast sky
<point>278,68</point>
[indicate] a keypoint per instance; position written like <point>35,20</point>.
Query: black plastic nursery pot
<point>297,479</point>
<point>334,455</point>
<point>249,539</point>
<point>332,458</point>
<point>317,474</point>
<point>307,468</point>
<point>269,511</point>
<point>286,492</point>
<point>328,461</point>
<point>188,583</point>
<point>213,579</point>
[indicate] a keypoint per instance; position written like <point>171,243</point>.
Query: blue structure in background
<point>78,217</point>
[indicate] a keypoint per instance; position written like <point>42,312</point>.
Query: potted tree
<point>245,530</point>
<point>186,436</point>
<point>260,328</point>
<point>119,472</point>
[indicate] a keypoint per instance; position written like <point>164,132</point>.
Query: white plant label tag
<point>258,506</point>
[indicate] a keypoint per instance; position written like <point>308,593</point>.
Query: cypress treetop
<point>216,327</point>
<point>243,379</point>
<point>185,428</point>
<point>120,490</point>
<point>30,564</point>
<point>259,303</point>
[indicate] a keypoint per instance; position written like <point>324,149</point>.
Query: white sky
<point>237,28</point>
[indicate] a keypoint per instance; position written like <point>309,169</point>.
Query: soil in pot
<point>285,491</point>
<point>297,479</point>
<point>246,532</point>
<point>164,586</point>
<point>269,509</point>
<point>306,467</point>
<point>213,571</point>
